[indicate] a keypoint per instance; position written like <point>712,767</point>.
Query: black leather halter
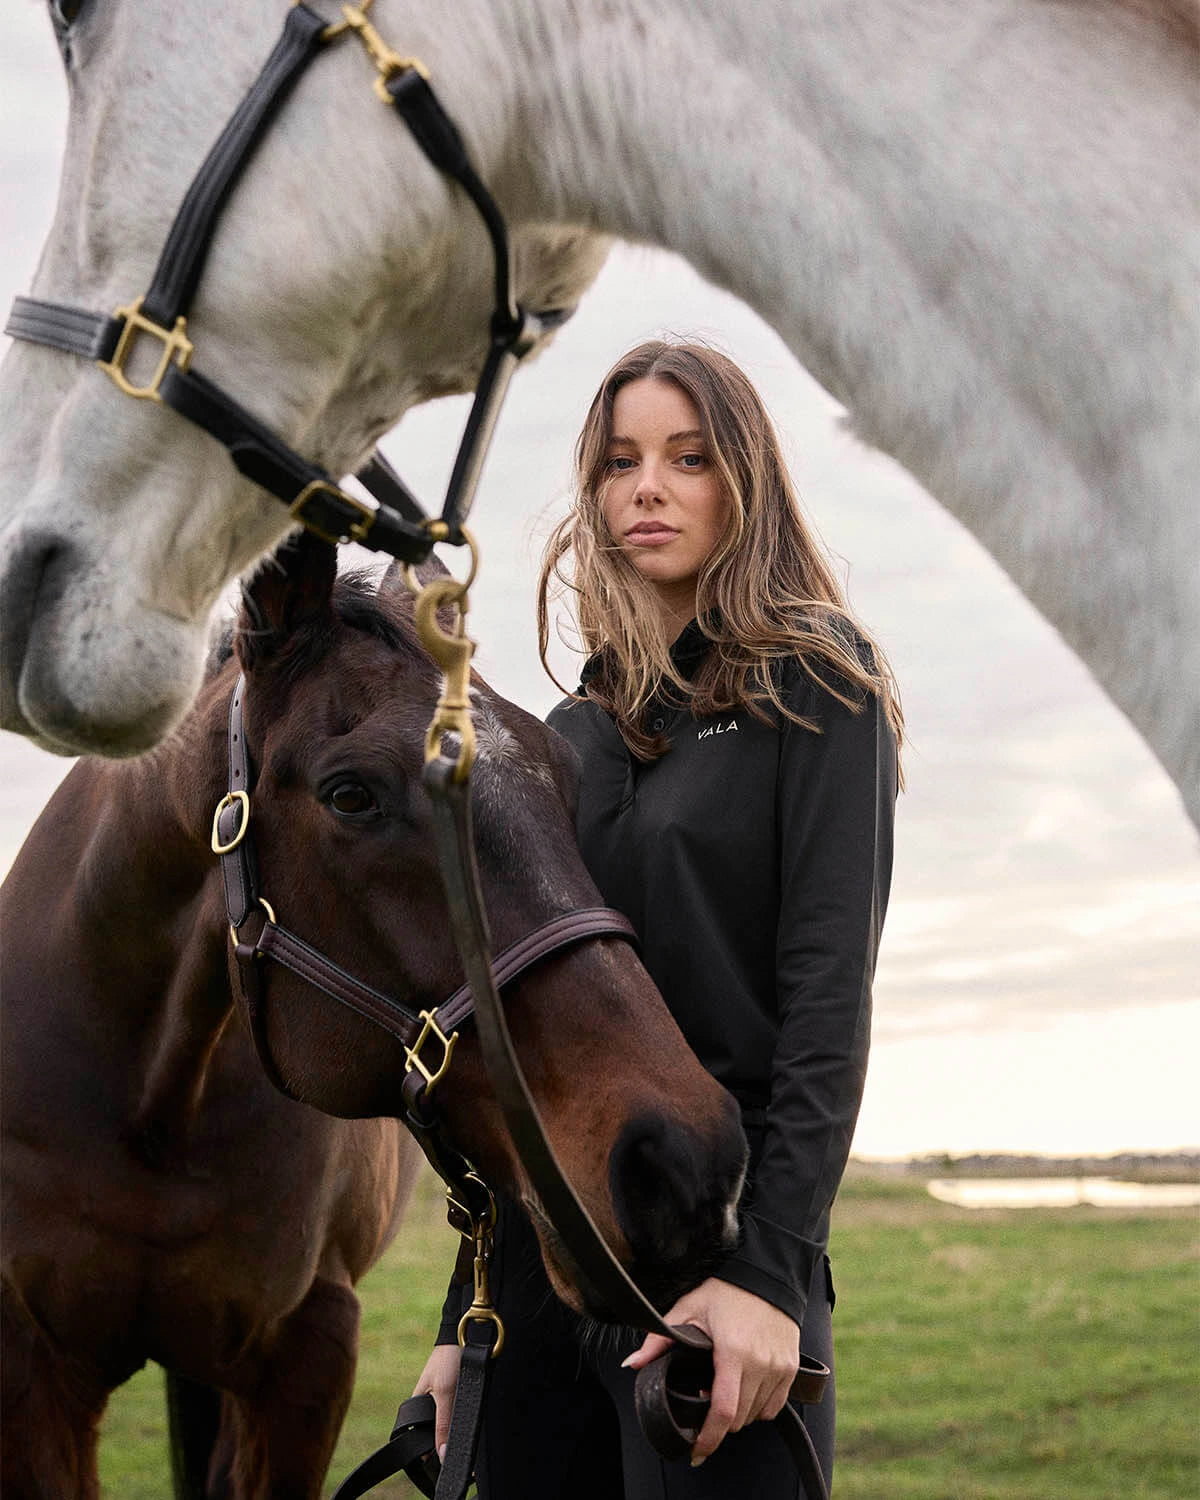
<point>392,521</point>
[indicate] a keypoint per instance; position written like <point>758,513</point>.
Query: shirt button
<point>659,724</point>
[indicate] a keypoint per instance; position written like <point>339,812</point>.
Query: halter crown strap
<point>182,260</point>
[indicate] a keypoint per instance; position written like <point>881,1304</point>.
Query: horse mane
<point>357,603</point>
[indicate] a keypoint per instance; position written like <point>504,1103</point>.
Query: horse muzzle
<point>675,1194</point>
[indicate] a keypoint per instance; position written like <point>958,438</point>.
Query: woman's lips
<point>650,536</point>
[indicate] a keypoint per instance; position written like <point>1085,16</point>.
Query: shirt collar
<point>687,652</point>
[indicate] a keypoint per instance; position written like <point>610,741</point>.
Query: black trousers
<point>559,1421</point>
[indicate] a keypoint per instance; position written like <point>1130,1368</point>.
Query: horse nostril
<point>27,569</point>
<point>673,1200</point>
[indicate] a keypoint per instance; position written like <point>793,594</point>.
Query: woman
<point>738,735</point>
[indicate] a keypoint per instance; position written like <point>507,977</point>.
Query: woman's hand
<point>756,1353</point>
<point>439,1378</point>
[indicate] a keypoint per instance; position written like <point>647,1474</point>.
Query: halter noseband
<point>391,521</point>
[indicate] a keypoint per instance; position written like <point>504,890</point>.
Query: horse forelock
<point>356,604</point>
<point>359,604</point>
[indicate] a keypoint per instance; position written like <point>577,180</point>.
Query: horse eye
<point>350,799</point>
<point>64,12</point>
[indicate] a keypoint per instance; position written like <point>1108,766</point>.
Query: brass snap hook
<point>482,1309</point>
<point>452,652</point>
<point>388,62</point>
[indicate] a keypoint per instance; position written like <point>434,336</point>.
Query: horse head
<point>346,282</point>
<point>337,698</point>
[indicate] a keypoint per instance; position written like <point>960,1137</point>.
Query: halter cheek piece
<point>391,520</point>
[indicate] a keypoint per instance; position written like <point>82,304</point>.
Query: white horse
<point>974,221</point>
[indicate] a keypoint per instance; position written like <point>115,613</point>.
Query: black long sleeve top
<point>754,860</point>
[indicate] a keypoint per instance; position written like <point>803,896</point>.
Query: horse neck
<point>967,221</point>
<point>149,848</point>
<point>149,894</point>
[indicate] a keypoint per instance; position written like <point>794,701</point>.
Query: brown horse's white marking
<point>974,221</point>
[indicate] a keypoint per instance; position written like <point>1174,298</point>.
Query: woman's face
<point>663,503</point>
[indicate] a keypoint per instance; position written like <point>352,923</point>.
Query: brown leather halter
<point>232,841</point>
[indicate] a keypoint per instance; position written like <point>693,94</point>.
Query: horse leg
<point>194,1422</point>
<point>277,1443</point>
<point>52,1407</point>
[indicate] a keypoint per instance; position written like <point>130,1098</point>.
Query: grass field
<point>996,1355</point>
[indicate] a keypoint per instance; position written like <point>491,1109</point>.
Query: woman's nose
<point>649,487</point>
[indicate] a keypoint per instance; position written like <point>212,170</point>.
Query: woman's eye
<point>619,464</point>
<point>351,799</point>
<point>692,460</point>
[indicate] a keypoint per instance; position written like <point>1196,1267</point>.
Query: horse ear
<point>291,591</point>
<point>392,584</point>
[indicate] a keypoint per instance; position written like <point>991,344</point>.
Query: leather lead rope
<point>606,1281</point>
<point>667,1393</point>
<point>671,1410</point>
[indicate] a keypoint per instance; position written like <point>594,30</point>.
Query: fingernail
<point>627,1361</point>
<point>696,1462</point>
<point>442,1454</point>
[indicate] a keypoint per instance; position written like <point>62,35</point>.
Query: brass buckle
<point>177,347</point>
<point>477,1313</point>
<point>228,800</point>
<point>413,1053</point>
<point>367,510</point>
<point>337,28</point>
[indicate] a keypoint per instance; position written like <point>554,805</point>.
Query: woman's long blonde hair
<point>765,593</point>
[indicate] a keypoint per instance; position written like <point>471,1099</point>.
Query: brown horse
<point>161,1199</point>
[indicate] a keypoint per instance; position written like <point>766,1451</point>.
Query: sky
<point>1039,983</point>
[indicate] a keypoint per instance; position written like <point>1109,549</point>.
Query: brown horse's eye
<point>351,799</point>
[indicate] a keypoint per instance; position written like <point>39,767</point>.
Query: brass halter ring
<point>453,654</point>
<point>266,906</point>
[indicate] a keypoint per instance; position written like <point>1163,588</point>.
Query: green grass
<point>1025,1355</point>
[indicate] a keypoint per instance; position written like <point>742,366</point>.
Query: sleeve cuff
<point>773,1264</point>
<point>452,1311</point>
